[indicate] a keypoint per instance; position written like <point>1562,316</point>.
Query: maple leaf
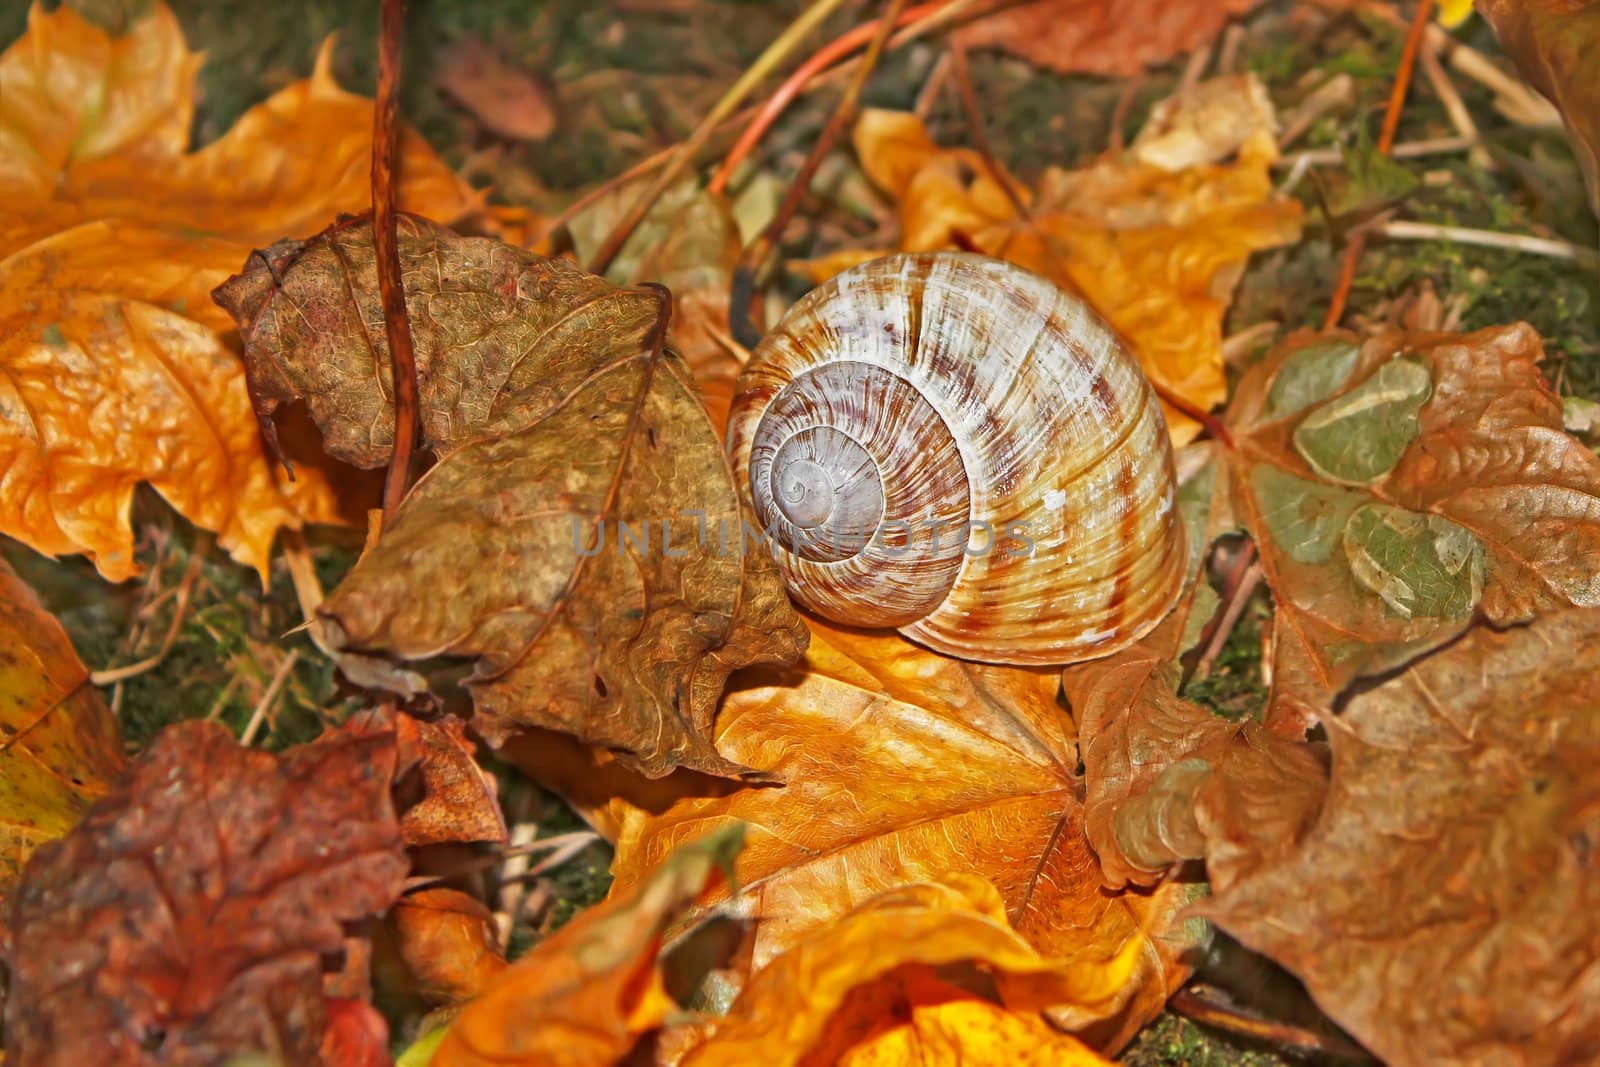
<point>903,766</point>
<point>561,423</point>
<point>1113,37</point>
<point>830,998</point>
<point>61,748</point>
<point>1553,44</point>
<point>586,994</point>
<point>1154,239</point>
<point>186,918</point>
<point>112,370</point>
<point>1401,487</point>
<point>1453,856</point>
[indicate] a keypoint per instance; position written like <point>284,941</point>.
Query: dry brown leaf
<point>1454,856</point>
<point>1398,489</point>
<point>830,998</point>
<point>505,99</point>
<point>904,766</point>
<point>61,748</point>
<point>1156,251</point>
<point>186,918</point>
<point>1113,37</point>
<point>111,238</point>
<point>563,429</point>
<point>447,940</point>
<point>1554,45</point>
<point>585,995</point>
<point>460,801</point>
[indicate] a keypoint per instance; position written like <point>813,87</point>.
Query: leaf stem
<point>386,242</point>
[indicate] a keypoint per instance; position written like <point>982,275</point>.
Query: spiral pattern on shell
<point>950,445</point>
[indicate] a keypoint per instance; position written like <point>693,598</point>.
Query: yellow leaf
<point>960,1032</point>
<point>586,994</point>
<point>114,368</point>
<point>847,982</point>
<point>61,749</point>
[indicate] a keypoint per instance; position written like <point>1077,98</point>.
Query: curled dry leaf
<point>830,997</point>
<point>507,100</point>
<point>460,801</point>
<point>1156,251</point>
<point>903,766</point>
<point>1556,44</point>
<point>447,941</point>
<point>186,919</point>
<point>61,747</point>
<point>1113,37</point>
<point>586,994</point>
<point>581,536</point>
<point>1454,855</point>
<point>111,237</point>
<point>1400,487</point>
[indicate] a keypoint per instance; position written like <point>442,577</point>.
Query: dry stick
<point>1327,157</point>
<point>386,242</point>
<point>768,61</point>
<point>1124,106</point>
<point>779,101</point>
<point>932,86</point>
<point>1515,242</point>
<point>750,263</point>
<point>1225,618</point>
<point>1391,123</point>
<point>1230,617</point>
<point>1189,1003</point>
<point>180,611</point>
<point>268,698</point>
<point>1454,106</point>
<point>975,128</point>
<point>1228,56</point>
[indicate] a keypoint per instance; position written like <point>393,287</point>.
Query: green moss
<point>1173,1041</point>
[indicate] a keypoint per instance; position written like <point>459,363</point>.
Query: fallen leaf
<point>111,238</point>
<point>1397,489</point>
<point>1112,37</point>
<point>586,994</point>
<point>460,800</point>
<point>186,918</point>
<point>506,100</point>
<point>1443,907</point>
<point>1553,43</point>
<point>1155,251</point>
<point>356,1035</point>
<point>61,750</point>
<point>903,766</point>
<point>563,431</point>
<point>843,984</point>
<point>447,940</point>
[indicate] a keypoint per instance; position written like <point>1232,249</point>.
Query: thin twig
<point>180,611</point>
<point>1454,106</point>
<point>975,128</point>
<point>1402,230</point>
<point>1391,123</point>
<point>386,242</point>
<point>755,256</point>
<point>1228,54</point>
<point>1337,91</point>
<point>269,698</point>
<point>1119,113</point>
<point>758,71</point>
<point>1327,157</point>
<point>1237,599</point>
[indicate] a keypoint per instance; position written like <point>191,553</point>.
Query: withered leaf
<point>459,799</point>
<point>586,994</point>
<point>903,766</point>
<point>186,918</point>
<point>1554,45</point>
<point>1398,488</point>
<point>111,236</point>
<point>61,749</point>
<point>830,998</point>
<point>581,536</point>
<point>447,940</point>
<point>1115,37</point>
<point>1454,857</point>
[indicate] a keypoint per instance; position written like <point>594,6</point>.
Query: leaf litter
<point>1420,520</point>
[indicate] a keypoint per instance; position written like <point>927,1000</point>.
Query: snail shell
<point>949,445</point>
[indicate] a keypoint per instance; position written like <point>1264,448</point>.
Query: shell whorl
<point>950,445</point>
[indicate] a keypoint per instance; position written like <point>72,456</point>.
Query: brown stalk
<point>386,241</point>
<point>750,263</point>
<point>1391,123</point>
<point>975,128</point>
